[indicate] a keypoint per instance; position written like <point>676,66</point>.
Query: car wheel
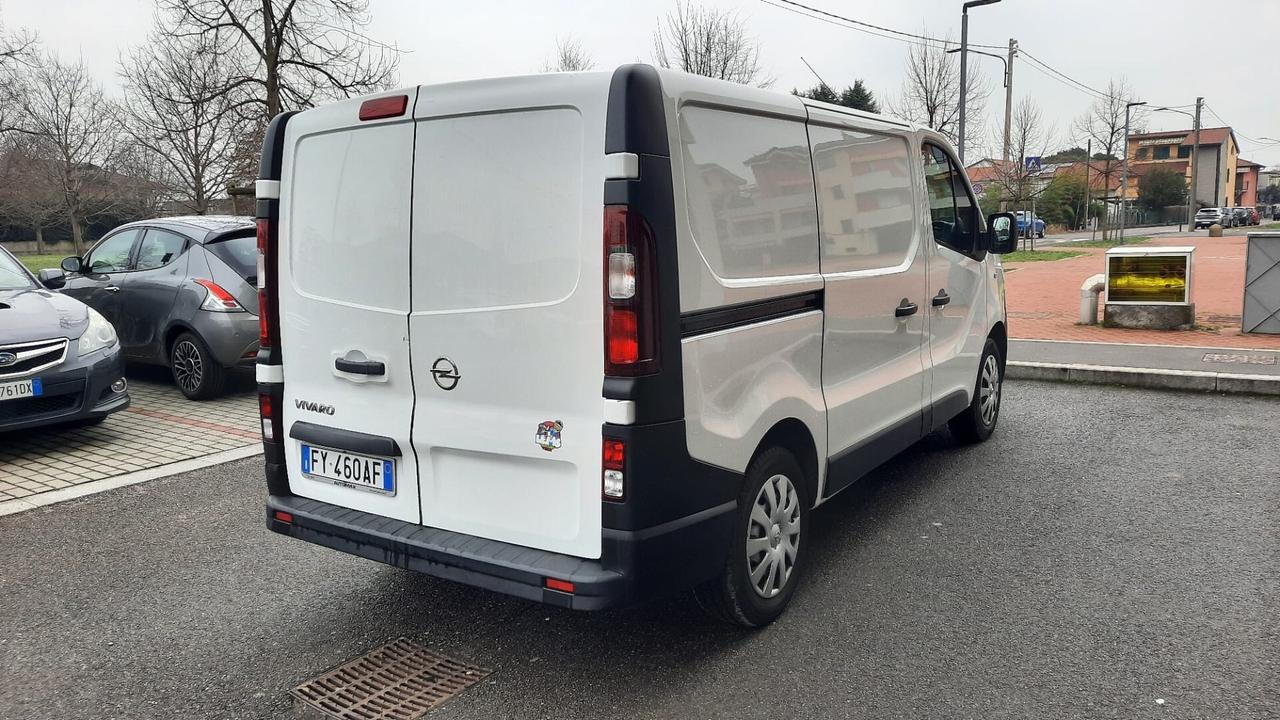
<point>976,422</point>
<point>195,372</point>
<point>766,556</point>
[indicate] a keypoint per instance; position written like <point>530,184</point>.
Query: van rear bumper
<point>635,564</point>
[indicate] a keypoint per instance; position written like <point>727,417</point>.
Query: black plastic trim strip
<point>849,465</point>
<point>702,322</point>
<point>339,439</point>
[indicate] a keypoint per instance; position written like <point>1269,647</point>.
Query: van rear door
<point>507,321</point>
<point>344,309</point>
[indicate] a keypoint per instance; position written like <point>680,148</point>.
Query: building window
<point>1142,153</point>
<point>1161,153</point>
<point>846,226</point>
<point>837,192</point>
<point>1184,152</point>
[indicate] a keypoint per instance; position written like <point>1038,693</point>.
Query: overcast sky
<point>1169,50</point>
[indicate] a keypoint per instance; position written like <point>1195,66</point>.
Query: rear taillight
<point>630,294</point>
<point>269,412</point>
<point>218,299</point>
<point>612,479</point>
<point>264,304</point>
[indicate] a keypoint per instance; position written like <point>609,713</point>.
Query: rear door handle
<point>111,289</point>
<point>905,309</point>
<point>942,298</point>
<point>360,367</point>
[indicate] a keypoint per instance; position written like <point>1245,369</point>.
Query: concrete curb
<point>1195,380</point>
<point>51,497</point>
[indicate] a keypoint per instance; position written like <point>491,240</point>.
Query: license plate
<point>21,389</point>
<point>349,469</point>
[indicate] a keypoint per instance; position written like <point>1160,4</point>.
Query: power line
<point>904,36</point>
<point>1061,74</point>
<point>1255,141</point>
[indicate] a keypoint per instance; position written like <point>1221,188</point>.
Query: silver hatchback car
<point>181,292</point>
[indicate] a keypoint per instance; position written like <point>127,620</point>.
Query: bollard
<point>1089,292</point>
<point>1215,230</point>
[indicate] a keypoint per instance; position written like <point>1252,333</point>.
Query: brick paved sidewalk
<point>160,427</point>
<point>1044,298</point>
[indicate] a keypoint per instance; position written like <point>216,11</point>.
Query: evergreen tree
<point>855,96</point>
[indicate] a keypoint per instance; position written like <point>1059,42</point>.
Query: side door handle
<point>360,367</point>
<point>906,308</point>
<point>942,298</point>
<point>111,289</point>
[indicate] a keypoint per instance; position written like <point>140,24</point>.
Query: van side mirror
<point>52,278</point>
<point>72,264</point>
<point>1000,236</point>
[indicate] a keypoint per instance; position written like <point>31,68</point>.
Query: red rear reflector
<point>264,405</point>
<point>561,585</point>
<point>614,452</point>
<point>284,517</point>
<point>624,342</point>
<point>384,107</point>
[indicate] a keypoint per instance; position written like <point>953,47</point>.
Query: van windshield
<point>240,253</point>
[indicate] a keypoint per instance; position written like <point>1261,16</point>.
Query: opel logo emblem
<point>445,373</point>
<point>7,359</point>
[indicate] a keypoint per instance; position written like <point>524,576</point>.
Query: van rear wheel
<point>765,557</point>
<point>976,422</point>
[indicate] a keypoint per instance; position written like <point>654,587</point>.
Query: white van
<point>591,338</point>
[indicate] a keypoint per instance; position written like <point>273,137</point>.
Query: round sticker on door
<point>548,434</point>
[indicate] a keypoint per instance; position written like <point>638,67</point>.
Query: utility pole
<point>1088,192</point>
<point>1192,202</point>
<point>1008,95</point>
<point>1124,174</point>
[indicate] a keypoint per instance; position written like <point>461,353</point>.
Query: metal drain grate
<point>398,681</point>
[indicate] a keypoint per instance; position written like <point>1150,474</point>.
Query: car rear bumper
<point>635,565</point>
<point>79,389</point>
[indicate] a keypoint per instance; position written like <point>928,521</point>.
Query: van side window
<point>749,186</point>
<point>951,208</point>
<point>864,199</point>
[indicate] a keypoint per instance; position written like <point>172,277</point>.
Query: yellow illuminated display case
<point>1149,275</point>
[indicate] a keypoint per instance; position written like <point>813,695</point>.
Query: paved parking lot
<point>160,427</point>
<point>1110,553</point>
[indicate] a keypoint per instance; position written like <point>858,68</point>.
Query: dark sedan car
<point>59,360</point>
<point>181,292</point>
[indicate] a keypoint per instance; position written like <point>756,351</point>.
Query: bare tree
<point>1103,123</point>
<point>292,53</point>
<point>17,54</point>
<point>1028,137</point>
<point>570,57</point>
<point>931,92</point>
<point>177,116</point>
<point>707,41</point>
<point>76,131</point>
<point>27,195</point>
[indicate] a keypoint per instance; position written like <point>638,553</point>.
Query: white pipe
<point>1089,292</point>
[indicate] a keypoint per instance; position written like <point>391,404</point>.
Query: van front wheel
<point>764,562</point>
<point>976,422</point>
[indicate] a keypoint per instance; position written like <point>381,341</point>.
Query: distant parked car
<point>1212,216</point>
<point>1241,216</point>
<point>181,292</point>
<point>1037,224</point>
<point>59,360</point>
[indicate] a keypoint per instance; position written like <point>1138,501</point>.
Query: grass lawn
<point>1038,255</point>
<point>36,263</point>
<point>1128,240</point>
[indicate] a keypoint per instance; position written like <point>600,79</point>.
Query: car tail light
<point>630,294</point>
<point>269,411</point>
<point>384,107</point>
<point>218,299</point>
<point>613,459</point>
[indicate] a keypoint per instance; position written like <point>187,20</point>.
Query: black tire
<point>195,371</point>
<point>976,423</point>
<point>731,595</point>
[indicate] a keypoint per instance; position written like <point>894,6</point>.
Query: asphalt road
<point>1107,549</point>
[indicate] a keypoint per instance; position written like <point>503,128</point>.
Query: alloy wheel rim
<point>989,391</point>
<point>187,368</point>
<point>773,536</point>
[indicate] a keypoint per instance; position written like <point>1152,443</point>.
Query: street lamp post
<point>1195,156</point>
<point>1008,87</point>
<point>964,66</point>
<point>1124,174</point>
